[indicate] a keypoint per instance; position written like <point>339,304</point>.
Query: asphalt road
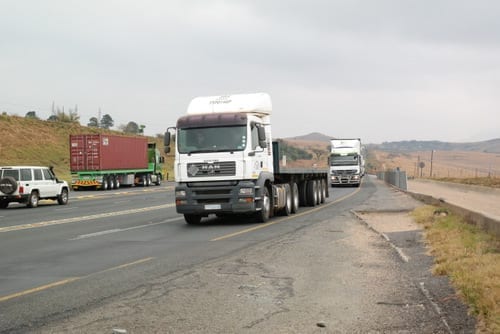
<point>60,258</point>
<point>126,259</point>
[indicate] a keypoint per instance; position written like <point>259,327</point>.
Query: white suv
<point>29,184</point>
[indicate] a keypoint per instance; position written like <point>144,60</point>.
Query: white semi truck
<point>347,165</point>
<point>227,164</point>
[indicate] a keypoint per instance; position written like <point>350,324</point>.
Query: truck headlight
<point>180,193</point>
<point>246,191</point>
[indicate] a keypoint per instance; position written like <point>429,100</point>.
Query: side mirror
<point>166,142</point>
<point>262,136</point>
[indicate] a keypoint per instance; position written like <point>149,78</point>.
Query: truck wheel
<point>192,219</point>
<point>303,193</point>
<point>4,204</point>
<point>295,197</point>
<point>33,199</point>
<point>111,182</point>
<point>311,193</point>
<point>105,183</point>
<point>265,206</point>
<point>8,185</point>
<point>62,199</point>
<point>322,191</point>
<point>288,201</point>
<point>158,179</point>
<point>117,182</point>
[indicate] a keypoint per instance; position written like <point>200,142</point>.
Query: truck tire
<point>8,185</point>
<point>192,219</point>
<point>303,193</point>
<point>312,193</point>
<point>287,209</point>
<point>265,206</point>
<point>62,198</point>
<point>33,199</point>
<point>295,197</point>
<point>3,204</point>
<point>158,179</point>
<point>111,182</point>
<point>322,191</point>
<point>117,182</point>
<point>105,183</point>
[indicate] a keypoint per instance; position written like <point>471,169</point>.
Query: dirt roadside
<point>332,276</point>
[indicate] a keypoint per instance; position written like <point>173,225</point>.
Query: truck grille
<point>344,172</point>
<point>200,169</point>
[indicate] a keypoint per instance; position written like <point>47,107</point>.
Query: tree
<point>131,127</point>
<point>31,114</point>
<point>107,122</point>
<point>93,122</point>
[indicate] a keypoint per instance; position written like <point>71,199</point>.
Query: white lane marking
<point>82,218</point>
<point>116,230</point>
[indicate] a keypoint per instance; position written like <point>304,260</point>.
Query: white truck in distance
<point>227,164</point>
<point>347,165</point>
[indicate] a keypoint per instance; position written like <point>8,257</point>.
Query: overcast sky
<point>383,70</point>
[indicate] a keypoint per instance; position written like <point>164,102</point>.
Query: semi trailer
<point>104,161</point>
<point>227,164</point>
<point>347,165</point>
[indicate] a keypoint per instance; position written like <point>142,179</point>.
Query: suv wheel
<point>8,185</point>
<point>63,197</point>
<point>33,199</point>
<point>4,204</point>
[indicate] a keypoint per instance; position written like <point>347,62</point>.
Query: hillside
<point>488,146</point>
<point>28,141</point>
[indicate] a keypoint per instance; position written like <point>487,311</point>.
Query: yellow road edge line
<point>39,288</point>
<point>227,236</point>
<point>69,280</point>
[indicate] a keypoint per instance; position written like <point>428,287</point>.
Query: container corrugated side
<point>89,152</point>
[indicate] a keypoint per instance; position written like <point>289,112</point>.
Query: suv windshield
<point>214,139</point>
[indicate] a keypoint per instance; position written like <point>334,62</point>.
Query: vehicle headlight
<point>180,193</point>
<point>246,191</point>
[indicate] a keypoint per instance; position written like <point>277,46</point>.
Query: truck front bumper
<point>204,198</point>
<point>345,179</point>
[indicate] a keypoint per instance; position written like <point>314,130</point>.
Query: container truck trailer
<point>104,161</point>
<point>226,162</point>
<point>346,162</point>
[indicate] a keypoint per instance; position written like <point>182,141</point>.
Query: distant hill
<point>488,146</point>
<point>314,136</point>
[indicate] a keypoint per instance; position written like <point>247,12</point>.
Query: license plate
<point>212,207</point>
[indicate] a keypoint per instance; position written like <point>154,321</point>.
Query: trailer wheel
<point>117,182</point>
<point>111,182</point>
<point>265,206</point>
<point>192,219</point>
<point>295,197</point>
<point>303,193</point>
<point>311,193</point>
<point>322,191</point>
<point>105,183</point>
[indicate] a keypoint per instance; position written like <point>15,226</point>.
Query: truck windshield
<point>343,160</point>
<point>213,139</point>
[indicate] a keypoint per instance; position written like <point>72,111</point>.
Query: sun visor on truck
<point>209,120</point>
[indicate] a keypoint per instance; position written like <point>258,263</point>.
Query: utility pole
<point>432,158</point>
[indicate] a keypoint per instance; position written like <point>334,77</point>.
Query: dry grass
<point>470,257</point>
<point>445,164</point>
<point>35,142</point>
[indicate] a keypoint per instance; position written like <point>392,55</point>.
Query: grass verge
<point>470,257</point>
